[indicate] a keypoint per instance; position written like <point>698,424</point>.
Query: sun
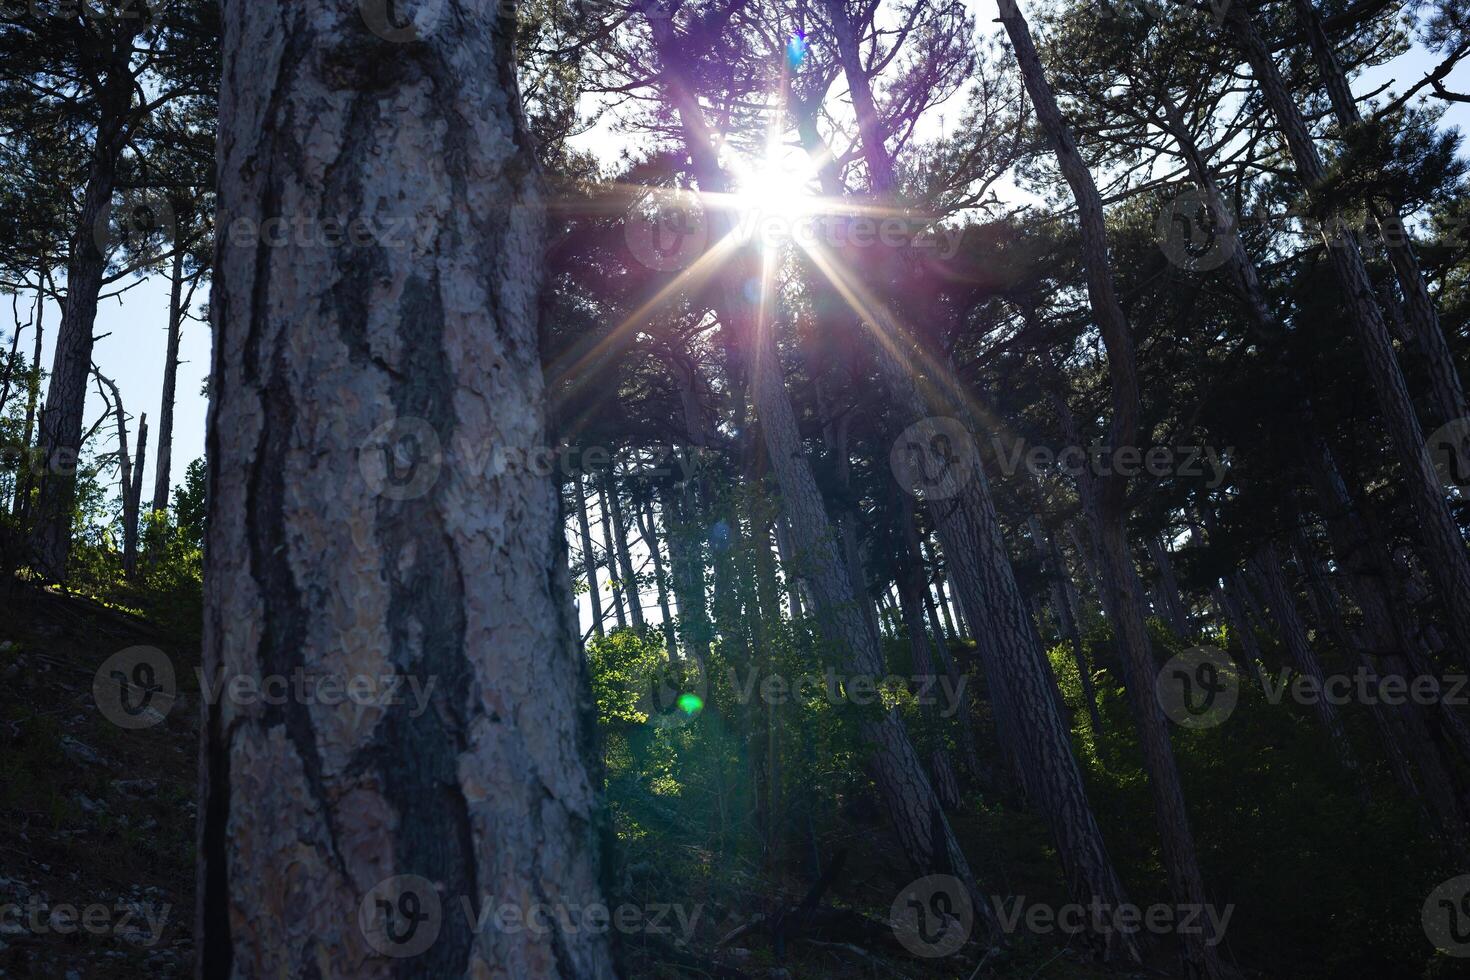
<point>779,186</point>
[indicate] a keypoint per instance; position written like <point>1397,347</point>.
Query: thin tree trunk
<point>33,394</point>
<point>648,526</point>
<point>320,830</point>
<point>1444,546</point>
<point>1446,388</point>
<point>1051,559</point>
<point>589,557</point>
<point>620,537</point>
<point>923,833</point>
<point>1176,611</point>
<point>1267,567</point>
<point>794,584</point>
<point>170,384</point>
<point>1240,625</point>
<point>132,512</point>
<point>609,552</point>
<point>686,567</point>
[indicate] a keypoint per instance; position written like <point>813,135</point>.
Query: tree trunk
<point>1240,626</point>
<point>794,584</point>
<point>609,552</point>
<point>648,527</point>
<point>1051,559</point>
<point>1267,566</point>
<point>910,589</point>
<point>1023,690</point>
<point>338,548</point>
<point>66,393</point>
<point>1444,546</point>
<point>1108,502</point>
<point>589,557</point>
<point>625,561</point>
<point>170,384</point>
<point>33,394</point>
<point>686,569</point>
<point>1446,387</point>
<point>132,505</point>
<point>923,833</point>
<point>1176,611</point>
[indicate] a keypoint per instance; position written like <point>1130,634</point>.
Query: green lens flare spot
<point>691,704</point>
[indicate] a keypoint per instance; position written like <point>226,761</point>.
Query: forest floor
<point>97,867</point>
<point>97,862</point>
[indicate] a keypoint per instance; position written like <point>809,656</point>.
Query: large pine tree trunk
<point>344,550</point>
<point>1023,691</point>
<point>1444,546</point>
<point>1107,506</point>
<point>59,445</point>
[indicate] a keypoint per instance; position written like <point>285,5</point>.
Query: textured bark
<point>1444,546</point>
<point>589,557</point>
<point>1107,501</point>
<point>314,565</point>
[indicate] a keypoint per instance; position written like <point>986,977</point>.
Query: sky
<point>135,324</point>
